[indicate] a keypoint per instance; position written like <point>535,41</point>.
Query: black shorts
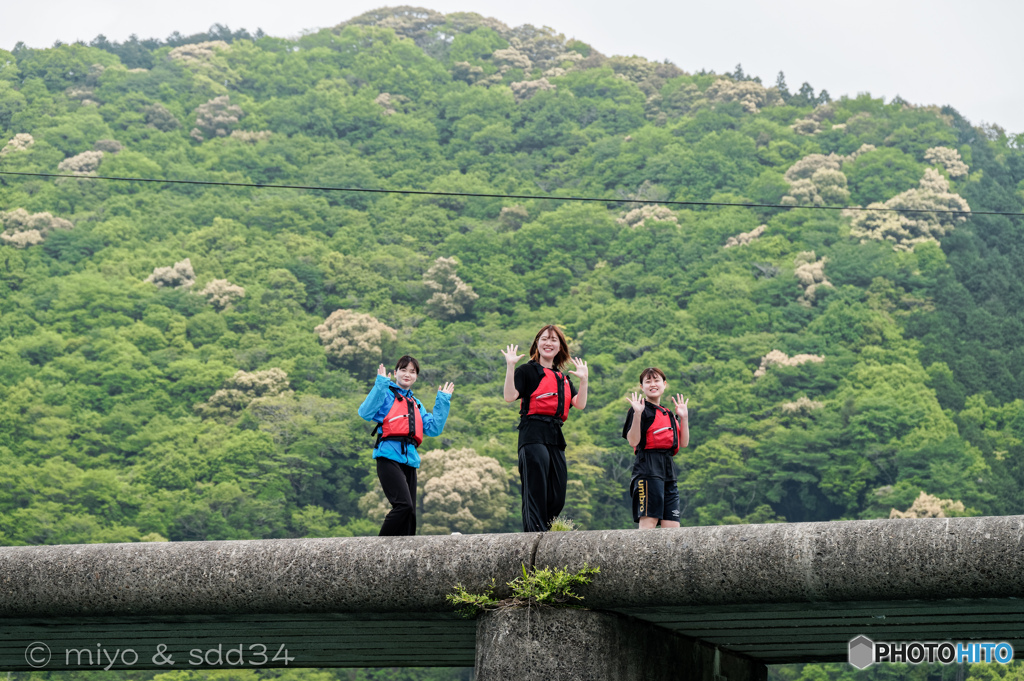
<point>654,498</point>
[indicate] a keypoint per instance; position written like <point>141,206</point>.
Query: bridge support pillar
<point>562,644</point>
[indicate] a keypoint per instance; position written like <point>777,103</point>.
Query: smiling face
<point>653,386</point>
<point>406,376</point>
<point>548,345</point>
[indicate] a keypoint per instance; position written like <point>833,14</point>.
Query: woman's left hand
<point>448,388</point>
<point>681,406</point>
<point>581,371</point>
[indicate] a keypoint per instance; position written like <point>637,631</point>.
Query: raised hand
<point>511,354</point>
<point>681,406</point>
<point>448,388</point>
<point>581,371</point>
<point>637,402</point>
<point>382,371</point>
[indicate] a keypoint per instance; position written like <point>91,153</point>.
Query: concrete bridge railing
<point>709,601</point>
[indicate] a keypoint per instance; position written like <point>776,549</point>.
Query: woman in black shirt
<point>547,395</point>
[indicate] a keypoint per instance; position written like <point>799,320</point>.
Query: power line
<point>530,197</point>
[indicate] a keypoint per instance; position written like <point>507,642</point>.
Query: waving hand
<point>581,371</point>
<point>681,406</point>
<point>511,354</point>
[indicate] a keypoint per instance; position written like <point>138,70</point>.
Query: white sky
<point>967,54</point>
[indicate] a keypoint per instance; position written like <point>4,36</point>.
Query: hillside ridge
<point>185,363</point>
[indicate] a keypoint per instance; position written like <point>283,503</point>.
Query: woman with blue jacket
<point>402,422</point>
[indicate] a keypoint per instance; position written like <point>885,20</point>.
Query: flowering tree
<point>751,94</point>
<point>906,230</point>
<point>221,293</point>
<point>242,389</point>
<point>928,506</point>
<point>779,358</point>
<point>513,58</point>
<point>451,296</point>
<point>81,164</point>
<point>811,274</point>
<point>806,126</point>
<point>648,211</point>
<point>525,89</point>
<point>354,336</point>
<point>197,53</point>
<point>178,275</point>
<point>818,180</point>
<point>21,229</point>
<point>948,159</point>
<point>216,118</point>
<point>745,238</point>
<point>20,142</point>
<point>810,164</point>
<point>802,405</point>
<point>812,123</point>
<point>463,492</point>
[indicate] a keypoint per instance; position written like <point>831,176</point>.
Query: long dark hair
<point>563,353</point>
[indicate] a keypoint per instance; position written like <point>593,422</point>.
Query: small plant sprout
<point>470,605</point>
<point>562,524</point>
<point>537,586</point>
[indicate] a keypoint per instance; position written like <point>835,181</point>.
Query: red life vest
<point>553,396</point>
<point>403,421</point>
<point>662,434</point>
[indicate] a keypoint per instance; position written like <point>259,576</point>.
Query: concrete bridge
<point>712,603</point>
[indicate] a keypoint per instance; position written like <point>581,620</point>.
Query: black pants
<point>543,475</point>
<point>399,484</point>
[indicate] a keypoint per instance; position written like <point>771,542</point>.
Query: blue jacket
<point>376,406</point>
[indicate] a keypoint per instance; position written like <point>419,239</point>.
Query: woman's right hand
<point>382,371</point>
<point>511,355</point>
<point>637,402</point>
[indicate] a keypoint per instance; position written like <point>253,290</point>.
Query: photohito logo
<point>864,652</point>
<point>37,655</point>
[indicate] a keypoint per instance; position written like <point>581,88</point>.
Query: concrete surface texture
<point>772,593</point>
<point>864,560</point>
<point>580,645</point>
<point>745,564</point>
<point>359,574</point>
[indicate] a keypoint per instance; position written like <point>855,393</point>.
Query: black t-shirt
<point>535,431</point>
<point>649,463</point>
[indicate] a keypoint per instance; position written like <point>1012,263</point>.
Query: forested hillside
<point>184,362</point>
